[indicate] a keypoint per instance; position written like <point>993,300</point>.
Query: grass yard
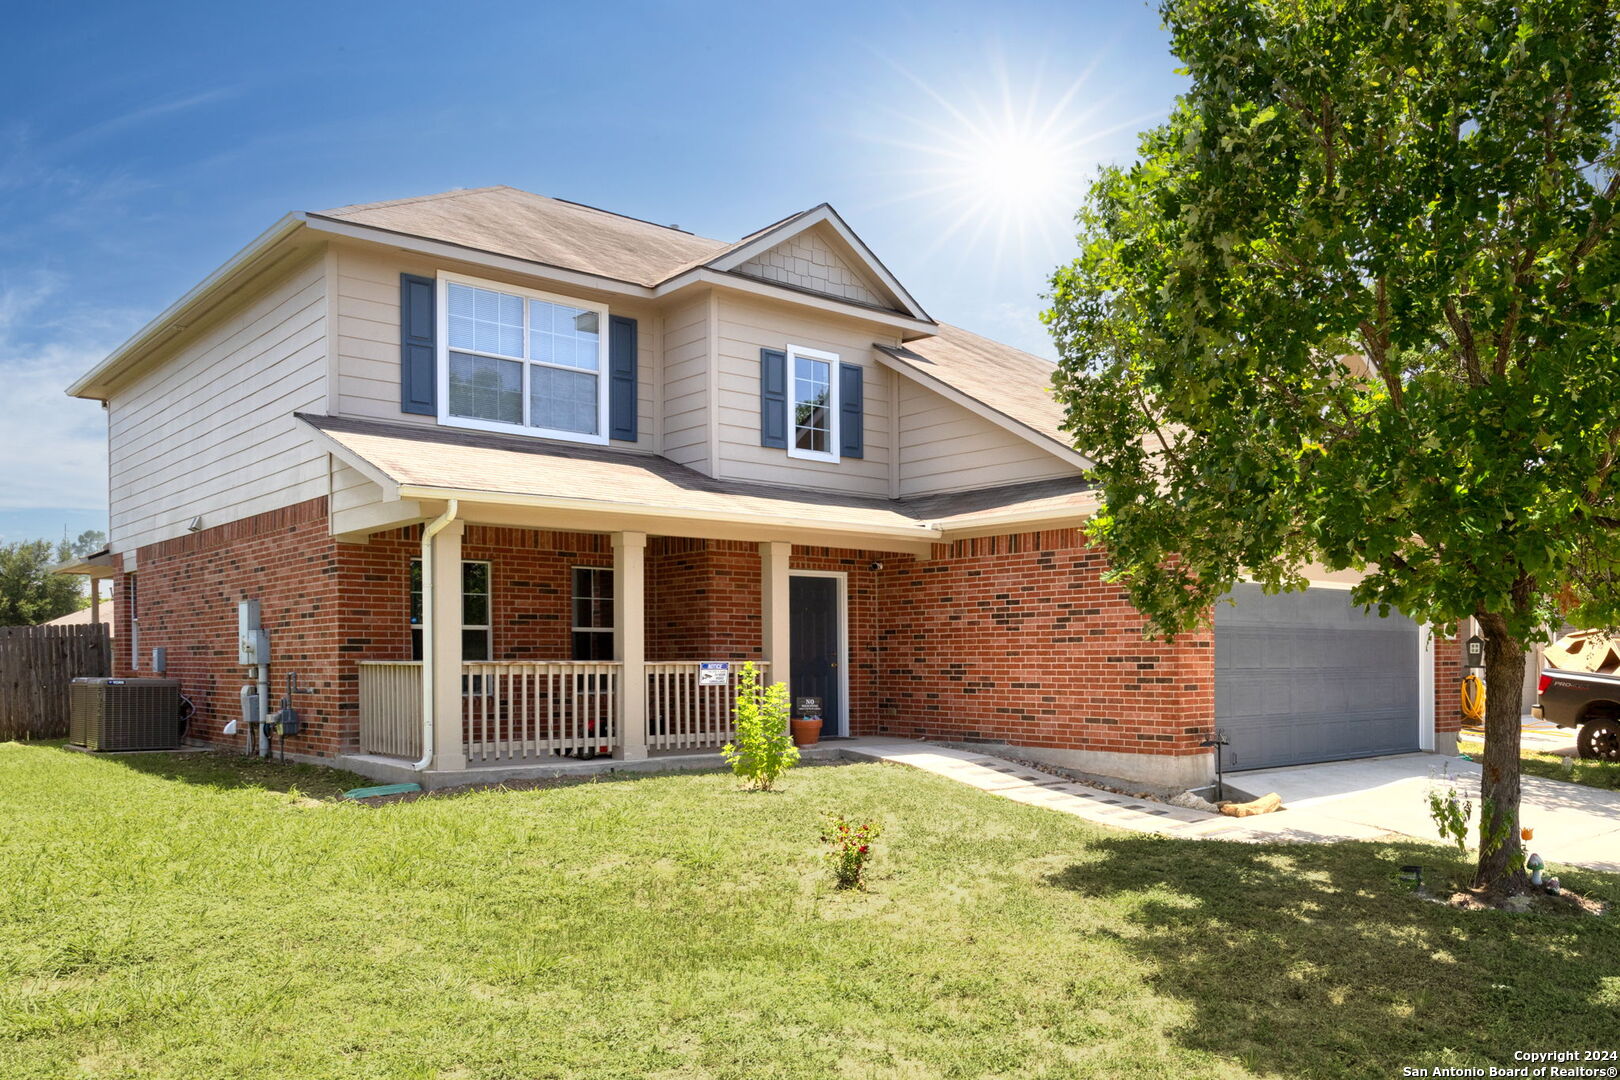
<point>174,916</point>
<point>1598,774</point>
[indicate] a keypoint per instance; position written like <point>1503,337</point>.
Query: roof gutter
<point>1064,517</point>
<point>88,385</point>
<point>551,502</point>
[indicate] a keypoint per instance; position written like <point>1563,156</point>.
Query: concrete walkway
<point>1372,799</point>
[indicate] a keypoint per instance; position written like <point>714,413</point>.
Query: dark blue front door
<point>813,606</point>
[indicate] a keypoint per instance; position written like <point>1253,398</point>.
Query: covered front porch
<point>525,669</point>
<point>544,652</point>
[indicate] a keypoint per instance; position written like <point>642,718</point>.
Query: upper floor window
<point>813,405</point>
<point>516,360</point>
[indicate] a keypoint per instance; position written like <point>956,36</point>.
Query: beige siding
<point>686,384</point>
<point>748,325</point>
<point>808,261</point>
<point>944,447</point>
<point>367,318</point>
<point>209,430</point>
<point>351,488</point>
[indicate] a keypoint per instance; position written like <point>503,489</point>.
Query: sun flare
<point>1004,166</point>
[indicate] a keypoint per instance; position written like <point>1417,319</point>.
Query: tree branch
<point>1375,341</point>
<point>1464,333</point>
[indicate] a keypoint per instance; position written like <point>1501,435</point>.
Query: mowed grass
<point>181,917</point>
<point>1598,774</point>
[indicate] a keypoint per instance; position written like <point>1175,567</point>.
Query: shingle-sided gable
<point>809,261</point>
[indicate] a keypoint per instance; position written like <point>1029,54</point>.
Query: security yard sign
<point>714,673</point>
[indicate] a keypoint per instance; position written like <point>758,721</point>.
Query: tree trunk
<point>1501,862</point>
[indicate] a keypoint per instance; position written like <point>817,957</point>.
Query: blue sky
<point>141,145</point>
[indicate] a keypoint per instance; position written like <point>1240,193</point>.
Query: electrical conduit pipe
<point>432,529</point>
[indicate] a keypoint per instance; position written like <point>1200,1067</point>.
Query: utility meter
<point>252,646</point>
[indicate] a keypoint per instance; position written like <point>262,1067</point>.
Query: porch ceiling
<point>422,463</point>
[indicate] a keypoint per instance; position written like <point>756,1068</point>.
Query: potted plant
<point>806,730</point>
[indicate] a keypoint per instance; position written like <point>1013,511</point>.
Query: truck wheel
<point>1599,739</point>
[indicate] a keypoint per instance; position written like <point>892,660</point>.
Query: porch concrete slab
<point>391,770</point>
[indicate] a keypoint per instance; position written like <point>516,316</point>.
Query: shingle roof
<point>523,225</point>
<point>1012,382</point>
<point>514,465</point>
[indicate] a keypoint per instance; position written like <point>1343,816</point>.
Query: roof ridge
<point>453,193</point>
<point>615,213</point>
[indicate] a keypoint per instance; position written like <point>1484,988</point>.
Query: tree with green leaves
<point>1356,303</point>
<point>29,592</point>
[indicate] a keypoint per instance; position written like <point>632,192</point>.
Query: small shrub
<point>763,749</point>
<point>1450,811</point>
<point>851,849</point>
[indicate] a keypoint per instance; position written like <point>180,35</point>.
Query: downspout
<point>432,529</point>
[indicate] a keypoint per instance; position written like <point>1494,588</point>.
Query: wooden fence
<point>36,665</point>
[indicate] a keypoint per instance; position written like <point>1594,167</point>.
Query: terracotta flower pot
<point>806,732</point>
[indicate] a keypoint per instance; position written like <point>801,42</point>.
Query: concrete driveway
<point>1573,824</point>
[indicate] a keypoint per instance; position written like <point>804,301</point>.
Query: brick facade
<point>1018,639</point>
<point>1448,676</point>
<point>186,594</point>
<point>1012,638</point>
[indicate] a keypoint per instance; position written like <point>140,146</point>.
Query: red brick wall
<point>1010,638</point>
<point>531,582</point>
<point>188,589</point>
<point>703,599</point>
<point>1018,638</point>
<point>1448,676</point>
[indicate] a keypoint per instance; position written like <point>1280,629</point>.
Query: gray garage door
<point>1307,676</point>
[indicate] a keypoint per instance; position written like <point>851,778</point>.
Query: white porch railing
<point>391,708</point>
<point>517,710</point>
<point>522,709</point>
<point>681,714</point>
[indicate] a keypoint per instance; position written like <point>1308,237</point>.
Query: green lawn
<point>171,916</point>
<point>1598,774</point>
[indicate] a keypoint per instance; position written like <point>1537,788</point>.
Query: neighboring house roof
<point>434,463</point>
<point>1013,384</point>
<point>82,618</point>
<point>572,236</point>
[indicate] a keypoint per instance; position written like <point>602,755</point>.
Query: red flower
<point>863,849</point>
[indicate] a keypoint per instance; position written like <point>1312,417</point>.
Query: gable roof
<point>535,228</point>
<point>1011,387</point>
<point>431,463</point>
<point>572,236</point>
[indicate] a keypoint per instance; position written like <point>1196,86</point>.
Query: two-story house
<point>515,480</point>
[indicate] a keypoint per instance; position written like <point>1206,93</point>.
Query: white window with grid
<point>516,360</point>
<point>813,404</point>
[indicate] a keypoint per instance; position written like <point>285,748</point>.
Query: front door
<point>814,624</point>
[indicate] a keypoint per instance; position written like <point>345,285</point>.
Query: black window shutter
<point>622,378</point>
<point>851,412</point>
<point>418,345</point>
<point>773,408</point>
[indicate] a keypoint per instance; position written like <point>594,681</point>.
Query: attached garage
<point>1308,676</point>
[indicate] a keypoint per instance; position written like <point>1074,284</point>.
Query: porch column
<point>775,640</point>
<point>441,647</point>
<point>95,600</point>
<point>630,641</point>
